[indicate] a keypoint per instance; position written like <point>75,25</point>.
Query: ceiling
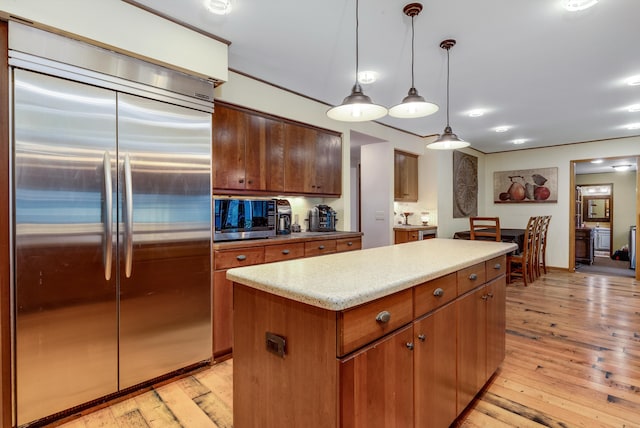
<point>554,77</point>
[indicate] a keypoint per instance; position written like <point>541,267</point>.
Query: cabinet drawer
<point>496,267</point>
<point>432,294</point>
<point>471,277</point>
<point>226,259</point>
<point>363,324</point>
<point>317,248</point>
<point>348,244</point>
<point>276,253</point>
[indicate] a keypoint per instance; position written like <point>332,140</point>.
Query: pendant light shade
<point>357,107</point>
<point>448,140</point>
<point>413,105</point>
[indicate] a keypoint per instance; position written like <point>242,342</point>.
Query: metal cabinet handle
<point>484,297</point>
<point>410,346</point>
<point>490,295</point>
<point>422,337</point>
<point>349,243</point>
<point>241,257</point>
<point>438,292</point>
<point>285,251</point>
<point>497,266</point>
<point>107,249</point>
<point>321,247</point>
<point>383,317</point>
<point>128,224</point>
<point>473,277</point>
<point>241,180</point>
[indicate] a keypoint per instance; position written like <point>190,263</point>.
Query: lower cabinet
<point>415,358</point>
<point>584,245</point>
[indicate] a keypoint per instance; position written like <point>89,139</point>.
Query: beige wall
<point>624,201</point>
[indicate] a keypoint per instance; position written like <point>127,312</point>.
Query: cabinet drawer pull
<point>497,266</point>
<point>349,243</point>
<point>490,295</point>
<point>438,292</point>
<point>241,180</point>
<point>473,277</point>
<point>321,247</point>
<point>410,346</point>
<point>241,257</point>
<point>422,337</point>
<point>383,317</point>
<point>285,252</point>
<point>484,297</point>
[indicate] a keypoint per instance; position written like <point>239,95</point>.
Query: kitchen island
<point>395,336</point>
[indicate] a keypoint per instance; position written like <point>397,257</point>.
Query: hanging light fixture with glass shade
<point>448,140</point>
<point>357,107</point>
<point>413,105</point>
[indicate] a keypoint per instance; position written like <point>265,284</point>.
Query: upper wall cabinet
<point>313,161</point>
<point>247,151</point>
<point>405,187</point>
<point>256,153</point>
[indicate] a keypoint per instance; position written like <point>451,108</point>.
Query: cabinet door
<point>299,155</point>
<point>228,148</point>
<point>264,156</point>
<point>472,340</point>
<point>376,384</point>
<point>328,167</point>
<point>222,314</point>
<point>435,368</point>
<point>496,323</point>
<point>405,177</point>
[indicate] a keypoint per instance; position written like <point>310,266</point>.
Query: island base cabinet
<point>376,384</point>
<point>297,389</point>
<point>481,338</point>
<point>435,369</point>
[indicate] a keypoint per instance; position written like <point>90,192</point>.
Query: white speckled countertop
<point>344,280</point>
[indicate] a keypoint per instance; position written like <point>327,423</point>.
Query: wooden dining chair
<point>542,254</point>
<point>521,265</point>
<point>487,228</point>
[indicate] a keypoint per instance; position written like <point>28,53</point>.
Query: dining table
<point>515,236</point>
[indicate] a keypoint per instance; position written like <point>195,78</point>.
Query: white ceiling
<point>553,76</point>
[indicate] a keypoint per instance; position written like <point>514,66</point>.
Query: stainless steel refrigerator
<point>112,233</point>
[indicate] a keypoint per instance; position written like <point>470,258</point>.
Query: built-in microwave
<point>244,219</point>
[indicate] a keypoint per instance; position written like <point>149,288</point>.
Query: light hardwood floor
<point>573,360</point>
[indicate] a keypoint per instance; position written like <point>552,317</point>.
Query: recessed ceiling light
<point>476,113</point>
<point>519,141</point>
<point>634,108</point>
<point>367,77</point>
<point>577,5</point>
<point>621,167</point>
<point>633,80</point>
<point>597,161</point>
<point>501,129</point>
<point>219,7</point>
<point>633,126</point>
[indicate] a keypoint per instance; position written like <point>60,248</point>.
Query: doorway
<point>601,240</point>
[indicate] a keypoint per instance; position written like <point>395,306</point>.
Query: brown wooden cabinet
<point>248,151</point>
<point>258,153</point>
<point>224,259</point>
<point>313,161</point>
<point>584,245</point>
<point>413,233</point>
<point>405,170</point>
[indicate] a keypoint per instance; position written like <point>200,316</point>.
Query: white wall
<point>376,172</point>
<point>516,215</point>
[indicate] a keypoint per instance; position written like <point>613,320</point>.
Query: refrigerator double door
<point>112,241</point>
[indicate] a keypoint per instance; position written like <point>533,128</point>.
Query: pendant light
<point>413,105</point>
<point>447,140</point>
<point>357,107</point>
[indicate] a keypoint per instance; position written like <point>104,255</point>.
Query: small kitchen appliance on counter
<point>322,218</point>
<point>283,217</point>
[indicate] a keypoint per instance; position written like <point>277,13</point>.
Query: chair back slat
<point>487,228</point>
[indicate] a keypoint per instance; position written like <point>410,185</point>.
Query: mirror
<point>596,208</point>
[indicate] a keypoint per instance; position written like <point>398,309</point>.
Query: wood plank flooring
<point>573,360</point>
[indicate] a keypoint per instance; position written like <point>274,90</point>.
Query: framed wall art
<point>465,185</point>
<point>526,186</point>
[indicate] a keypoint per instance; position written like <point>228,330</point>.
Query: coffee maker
<point>283,217</point>
<point>322,218</point>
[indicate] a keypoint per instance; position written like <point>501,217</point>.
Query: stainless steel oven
<point>244,219</point>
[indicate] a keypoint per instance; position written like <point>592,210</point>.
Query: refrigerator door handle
<point>107,250</point>
<point>128,223</point>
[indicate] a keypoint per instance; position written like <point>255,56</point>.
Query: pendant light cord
<point>412,49</point>
<point>448,87</point>
<point>357,52</point>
